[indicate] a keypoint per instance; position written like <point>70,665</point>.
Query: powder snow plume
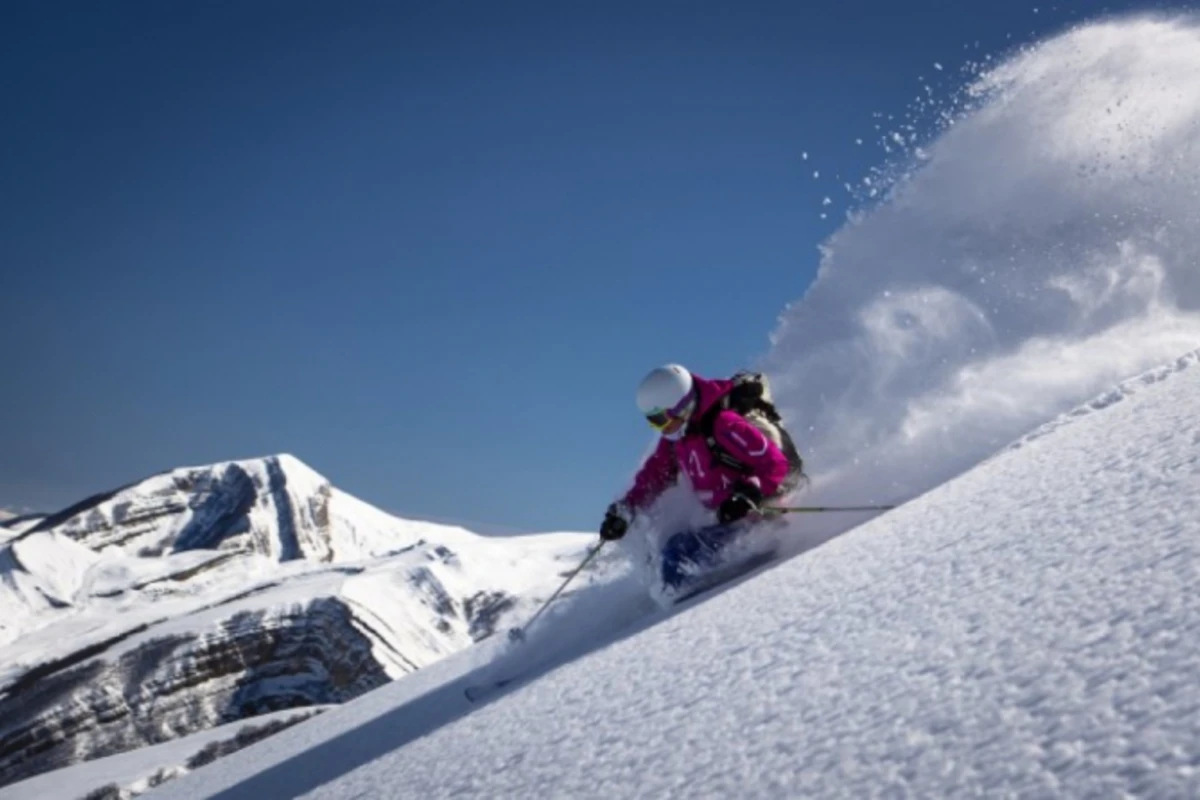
<point>1043,247</point>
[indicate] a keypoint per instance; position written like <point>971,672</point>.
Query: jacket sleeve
<point>655,477</point>
<point>748,445</point>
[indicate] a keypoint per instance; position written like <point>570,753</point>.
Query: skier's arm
<point>655,477</point>
<point>748,445</point>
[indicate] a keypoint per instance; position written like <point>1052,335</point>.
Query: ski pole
<point>822,509</point>
<point>518,634</point>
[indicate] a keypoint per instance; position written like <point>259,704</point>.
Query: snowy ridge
<point>1025,630</point>
<point>210,594</point>
<point>14,524</point>
<point>1121,392</point>
<point>276,507</point>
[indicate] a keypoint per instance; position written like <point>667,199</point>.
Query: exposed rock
<point>172,686</point>
<point>241,505</point>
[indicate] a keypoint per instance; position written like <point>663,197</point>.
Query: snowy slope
<point>210,594</point>
<point>1027,629</point>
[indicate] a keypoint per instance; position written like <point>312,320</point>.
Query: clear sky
<point>427,248</point>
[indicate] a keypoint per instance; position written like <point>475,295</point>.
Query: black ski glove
<point>615,524</point>
<point>746,497</point>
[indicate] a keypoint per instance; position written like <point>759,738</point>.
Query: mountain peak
<point>273,505</point>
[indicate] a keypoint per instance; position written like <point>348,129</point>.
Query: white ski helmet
<point>667,397</point>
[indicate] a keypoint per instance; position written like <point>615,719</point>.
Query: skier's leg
<point>677,556</point>
<point>687,552</point>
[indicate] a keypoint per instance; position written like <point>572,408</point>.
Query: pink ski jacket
<point>711,480</point>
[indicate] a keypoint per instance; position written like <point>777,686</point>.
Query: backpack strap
<point>705,426</point>
<point>750,408</point>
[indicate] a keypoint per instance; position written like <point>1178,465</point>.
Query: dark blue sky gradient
<point>427,248</point>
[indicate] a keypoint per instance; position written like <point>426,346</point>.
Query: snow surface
<point>1028,628</point>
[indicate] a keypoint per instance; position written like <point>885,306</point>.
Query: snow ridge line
<point>1125,389</point>
<point>51,521</point>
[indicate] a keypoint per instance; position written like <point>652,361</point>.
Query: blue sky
<point>427,248</point>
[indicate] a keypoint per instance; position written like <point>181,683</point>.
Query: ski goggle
<point>674,419</point>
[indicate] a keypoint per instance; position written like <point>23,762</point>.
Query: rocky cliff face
<point>174,685</point>
<point>208,595</point>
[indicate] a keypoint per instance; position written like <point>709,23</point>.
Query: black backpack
<point>751,398</point>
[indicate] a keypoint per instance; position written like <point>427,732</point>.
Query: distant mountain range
<point>211,594</point>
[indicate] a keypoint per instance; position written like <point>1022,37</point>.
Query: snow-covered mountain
<point>1026,629</point>
<point>212,594</point>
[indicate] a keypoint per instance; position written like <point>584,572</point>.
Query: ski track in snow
<point>1027,629</point>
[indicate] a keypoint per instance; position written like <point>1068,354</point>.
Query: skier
<point>726,437</point>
